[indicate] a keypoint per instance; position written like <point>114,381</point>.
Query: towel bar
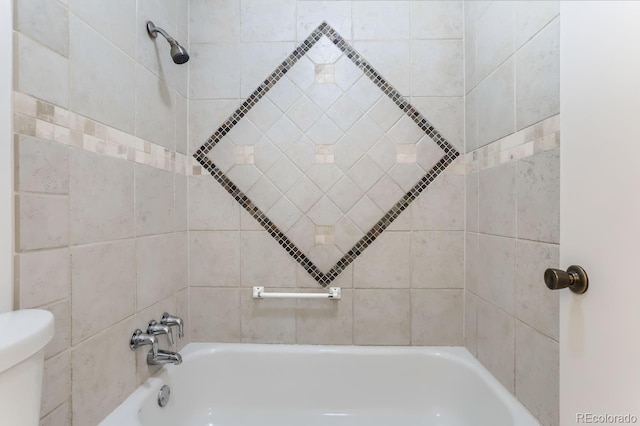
<point>335,293</point>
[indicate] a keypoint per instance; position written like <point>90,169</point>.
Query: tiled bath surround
<point>100,118</point>
<point>406,287</point>
<point>512,196</point>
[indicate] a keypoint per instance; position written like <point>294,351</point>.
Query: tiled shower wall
<point>101,219</point>
<point>513,194</point>
<point>406,287</point>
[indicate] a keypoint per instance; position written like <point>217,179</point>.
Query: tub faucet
<point>154,328</point>
<point>140,339</point>
<point>164,357</point>
<point>171,320</point>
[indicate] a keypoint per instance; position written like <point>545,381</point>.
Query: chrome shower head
<point>178,53</point>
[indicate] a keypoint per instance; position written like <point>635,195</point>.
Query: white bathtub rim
<point>127,412</point>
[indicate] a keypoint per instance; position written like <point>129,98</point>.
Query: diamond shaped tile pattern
<point>325,143</point>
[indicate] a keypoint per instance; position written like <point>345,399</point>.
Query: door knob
<point>575,278</point>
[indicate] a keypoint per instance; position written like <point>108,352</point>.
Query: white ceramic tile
<point>385,113</point>
<point>365,214</point>
<point>102,78</point>
<point>41,166</point>
<point>207,196</point>
<point>405,131</point>
<point>244,176</point>
<point>264,114</point>
<point>284,174</point>
<point>45,21</point>
<point>495,37</point>
<point>244,133</point>
<point>264,194</point>
<point>115,20</point>
<point>42,277</point>
<point>437,259</point>
<point>345,194</point>
<point>283,133</point>
<point>386,263</point>
<point>271,21</point>
<point>381,20</point>
<point>313,13</point>
<point>102,286</point>
<point>264,262</point>
<point>436,19</point>
<point>52,86</point>
<point>328,323</point>
<point>257,61</point>
<point>532,16</point>
<point>384,153</point>
<point>284,214</point>
<point>324,94</point>
<point>324,175</point>
<point>56,382</point>
<point>214,258</point>
<point>385,193</point>
<point>392,60</point>
<point>214,21</point>
<point>265,154</point>
<point>471,121</point>
<point>302,234</point>
<point>325,73</point>
<point>496,104</point>
<point>471,262</point>
<point>436,68</point>
<point>471,323</point>
<point>324,131</point>
<point>496,271</point>
<point>324,212</point>
<point>62,338</point>
<point>364,92</point>
<point>538,77</point>
<point>215,314</point>
<point>441,206</point>
<point>437,317</point>
<point>347,152</point>
<point>324,256</point>
<point>205,116</point>
<point>428,153</point>
<point>304,113</point>
<point>447,114</point>
<point>223,154</point>
<point>244,155</point>
<point>406,174</point>
<point>154,200</point>
<point>302,73</point>
<point>101,203</point>
<point>267,323</point>
<point>345,112</point>
<point>365,133</point>
<point>301,153</point>
<point>324,52</point>
<point>61,416</point>
<point>304,194</point>
<point>347,234</point>
<point>346,73</point>
<point>365,173</point>
<point>214,71</point>
<point>497,200</point>
<point>382,317</point>
<point>182,124</point>
<point>496,343</point>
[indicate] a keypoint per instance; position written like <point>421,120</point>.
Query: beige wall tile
<point>41,166</point>
<point>56,382</point>
<point>215,314</point>
<point>43,221</point>
<point>437,259</point>
<point>495,37</point>
<point>471,322</point>
<point>472,259</point>
<point>214,258</point>
<point>312,13</point>
<point>102,197</point>
<point>322,323</point>
<point>214,72</point>
<point>447,114</point>
<point>267,320</point>
<point>62,333</point>
<point>440,207</point>
<point>532,16</point>
<point>381,20</point>
<point>264,262</point>
<point>44,21</point>
<point>161,263</point>
<point>155,109</point>
<point>381,317</point>
<point>221,26</point>
<point>436,68</point>
<point>471,203</point>
<point>181,204</point>
<point>437,317</point>
<point>103,373</point>
<point>42,277</point>
<point>497,200</point>
<point>210,206</point>
<point>496,104</point>
<point>471,121</point>
<point>61,416</point>
<point>154,201</point>
<point>496,271</point>
<point>183,311</point>
<point>275,21</point>
<point>496,343</point>
<point>537,374</point>
<point>102,286</point>
<point>437,19</point>
<point>386,263</point>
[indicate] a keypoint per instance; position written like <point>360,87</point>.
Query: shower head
<point>178,53</point>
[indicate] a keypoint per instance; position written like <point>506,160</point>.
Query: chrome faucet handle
<point>155,328</point>
<point>171,320</point>
<point>138,338</point>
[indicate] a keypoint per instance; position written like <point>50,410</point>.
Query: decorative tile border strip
<point>540,137</point>
<point>450,154</point>
<point>34,117</point>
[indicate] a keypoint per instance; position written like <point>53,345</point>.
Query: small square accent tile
<point>324,154</point>
<point>244,154</point>
<point>406,153</point>
<point>325,235</point>
<point>325,73</point>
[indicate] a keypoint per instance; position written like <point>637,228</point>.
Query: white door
<point>600,209</point>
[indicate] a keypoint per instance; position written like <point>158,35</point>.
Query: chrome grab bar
<point>335,293</point>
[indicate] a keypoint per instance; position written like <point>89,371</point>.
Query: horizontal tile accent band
<point>34,117</point>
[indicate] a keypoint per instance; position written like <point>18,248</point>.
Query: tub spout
<point>164,357</point>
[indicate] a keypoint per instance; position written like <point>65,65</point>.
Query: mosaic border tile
<point>450,154</point>
<point>34,117</point>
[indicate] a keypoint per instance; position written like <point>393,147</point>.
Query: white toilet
<point>23,336</point>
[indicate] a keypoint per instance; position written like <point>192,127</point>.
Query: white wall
<point>6,159</point>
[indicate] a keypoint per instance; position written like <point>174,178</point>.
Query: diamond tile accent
<point>349,197</point>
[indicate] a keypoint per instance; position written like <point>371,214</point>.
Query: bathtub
<point>269,385</point>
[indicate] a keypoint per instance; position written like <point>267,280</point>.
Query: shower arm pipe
<point>153,32</point>
<point>335,293</point>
